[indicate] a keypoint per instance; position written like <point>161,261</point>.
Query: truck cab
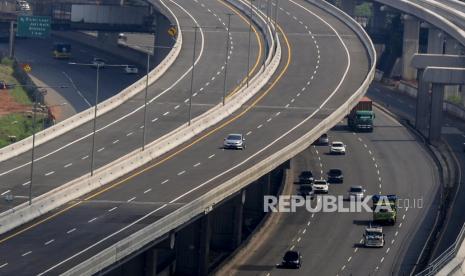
<point>361,117</point>
<point>373,236</point>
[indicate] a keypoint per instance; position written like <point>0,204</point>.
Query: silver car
<point>356,192</point>
<point>234,141</point>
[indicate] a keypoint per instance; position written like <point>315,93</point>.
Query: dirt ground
<point>9,105</point>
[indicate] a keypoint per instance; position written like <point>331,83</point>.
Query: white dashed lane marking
<point>25,254</point>
<point>70,231</point>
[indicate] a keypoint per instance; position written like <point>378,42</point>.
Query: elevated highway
<point>325,64</point>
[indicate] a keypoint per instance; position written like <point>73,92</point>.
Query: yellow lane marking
<point>266,92</point>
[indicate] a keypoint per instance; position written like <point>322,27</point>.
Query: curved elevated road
<point>119,131</point>
<point>324,63</point>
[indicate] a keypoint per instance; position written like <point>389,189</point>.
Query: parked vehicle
<point>335,176</point>
<point>361,116</point>
<point>306,177</point>
<point>337,147</point>
<point>373,236</point>
<point>234,141</point>
<point>384,209</point>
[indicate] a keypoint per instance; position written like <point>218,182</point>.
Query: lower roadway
<point>385,161</point>
<point>323,65</point>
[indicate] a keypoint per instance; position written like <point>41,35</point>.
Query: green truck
<point>384,209</point>
<point>361,117</point>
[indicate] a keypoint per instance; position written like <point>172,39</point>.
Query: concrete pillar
<point>378,20</point>
<point>150,260</point>
<point>162,39</point>
<point>435,41</point>
<point>437,99</point>
<point>348,6</point>
<point>453,47</point>
<point>410,46</point>
<point>192,248</point>
<point>423,105</point>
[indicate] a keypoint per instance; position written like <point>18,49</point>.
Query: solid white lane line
<point>131,199</point>
<point>5,192</point>
<point>70,231</point>
<point>112,209</point>
<point>165,181</point>
<point>25,254</point>
<point>49,173</point>
<point>91,220</point>
<point>146,191</point>
<point>68,165</point>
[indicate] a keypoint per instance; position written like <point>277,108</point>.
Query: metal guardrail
<point>445,257</point>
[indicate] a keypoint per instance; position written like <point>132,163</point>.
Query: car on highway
<point>337,147</point>
<point>356,192</point>
<point>234,141</point>
<point>131,69</point>
<point>291,259</point>
<point>320,186</point>
<point>306,177</point>
<point>306,190</point>
<point>98,62</point>
<point>373,236</point>
<point>335,176</point>
<point>323,140</point>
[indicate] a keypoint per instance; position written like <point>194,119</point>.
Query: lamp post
<point>97,65</point>
<point>34,108</point>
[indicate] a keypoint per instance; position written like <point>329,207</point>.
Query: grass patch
<point>19,125</point>
<point>6,75</point>
<point>455,99</point>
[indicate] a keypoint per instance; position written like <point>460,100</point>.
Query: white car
<point>337,148</point>
<point>234,141</point>
<point>356,192</point>
<point>131,69</point>
<point>98,62</point>
<point>320,186</point>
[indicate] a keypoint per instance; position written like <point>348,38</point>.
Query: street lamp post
<point>98,65</point>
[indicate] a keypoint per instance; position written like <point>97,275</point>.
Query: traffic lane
<point>395,150</point>
<point>179,173</point>
<point>181,111</point>
<point>453,131</point>
<point>55,72</point>
<point>57,241</point>
<point>318,235</point>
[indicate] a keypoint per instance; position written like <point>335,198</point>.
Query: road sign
<point>27,68</point>
<point>33,26</point>
<point>172,31</point>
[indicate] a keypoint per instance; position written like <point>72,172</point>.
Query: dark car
<point>291,259</point>
<point>306,190</point>
<point>335,176</point>
<point>306,177</point>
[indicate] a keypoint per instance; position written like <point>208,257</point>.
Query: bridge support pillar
<point>348,6</point>
<point>437,100</point>
<point>193,248</point>
<point>453,47</point>
<point>410,46</point>
<point>162,39</point>
<point>150,260</point>
<point>378,20</point>
<point>423,104</point>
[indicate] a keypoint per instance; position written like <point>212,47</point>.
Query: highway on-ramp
<point>385,161</point>
<point>324,63</point>
<point>120,130</point>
